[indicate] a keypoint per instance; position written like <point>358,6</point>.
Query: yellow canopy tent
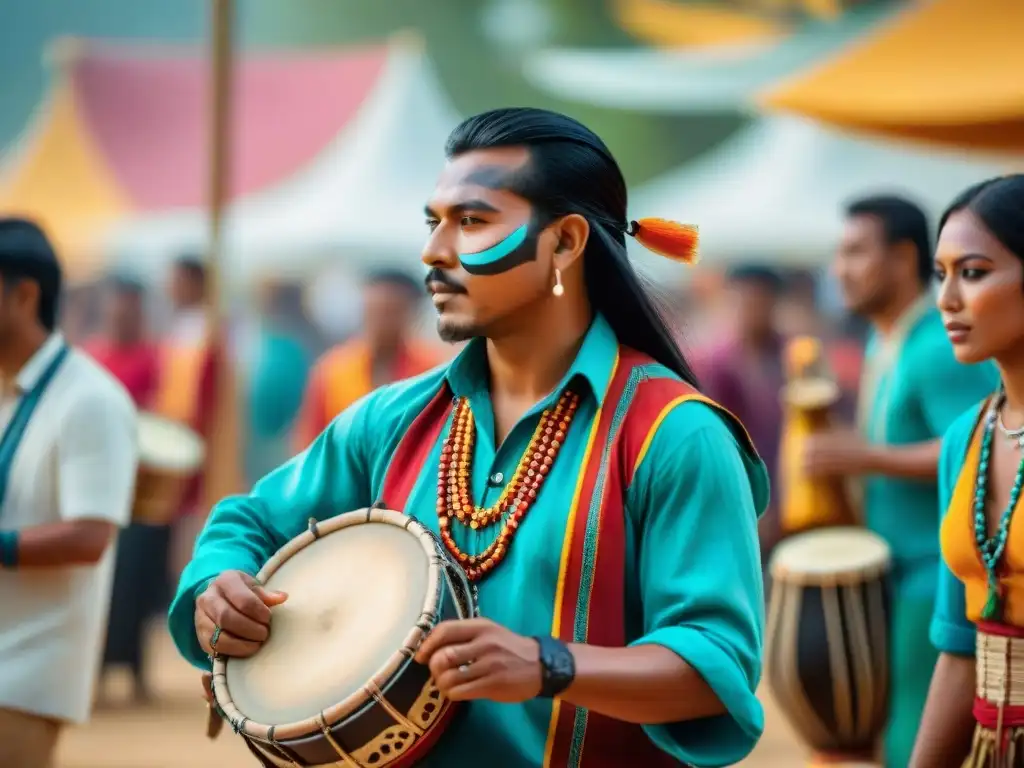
<point>946,72</point>
<point>57,175</point>
<point>671,24</point>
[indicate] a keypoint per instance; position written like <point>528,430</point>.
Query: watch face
<point>558,667</point>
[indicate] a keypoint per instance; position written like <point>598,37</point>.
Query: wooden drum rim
<point>186,432</point>
<point>841,577</point>
<point>373,687</point>
<point>845,579</point>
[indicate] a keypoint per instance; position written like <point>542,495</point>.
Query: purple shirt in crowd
<point>748,383</point>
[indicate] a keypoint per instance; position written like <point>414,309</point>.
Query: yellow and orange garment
<point>187,389</point>
<point>344,374</point>
<point>958,625</point>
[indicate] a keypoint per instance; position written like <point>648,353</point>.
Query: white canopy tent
<point>360,201</point>
<point>711,79</point>
<point>776,189</point>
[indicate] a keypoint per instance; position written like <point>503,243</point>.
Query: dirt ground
<point>171,733</point>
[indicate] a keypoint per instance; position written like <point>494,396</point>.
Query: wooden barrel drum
<point>170,455</point>
<point>827,643</point>
<point>808,399</point>
<point>336,684</point>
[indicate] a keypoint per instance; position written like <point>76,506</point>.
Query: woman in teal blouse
<point>974,704</point>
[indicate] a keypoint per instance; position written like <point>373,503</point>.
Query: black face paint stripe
<point>517,248</point>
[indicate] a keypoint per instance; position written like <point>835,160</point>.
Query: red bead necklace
<point>454,482</point>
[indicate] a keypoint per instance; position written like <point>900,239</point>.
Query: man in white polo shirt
<point>67,474</point>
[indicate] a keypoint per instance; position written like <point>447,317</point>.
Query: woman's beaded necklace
<point>454,482</point>
<point>991,548</point>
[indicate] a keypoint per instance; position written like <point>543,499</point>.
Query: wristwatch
<point>558,667</point>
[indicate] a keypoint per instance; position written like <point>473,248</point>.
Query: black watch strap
<point>558,667</point>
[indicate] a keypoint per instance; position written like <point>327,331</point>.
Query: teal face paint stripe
<point>496,252</point>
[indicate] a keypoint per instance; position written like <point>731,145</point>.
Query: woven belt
<point>1000,669</point>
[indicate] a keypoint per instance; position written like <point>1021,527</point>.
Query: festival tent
<point>775,191</point>
<point>361,200</point>
<point>123,130</point>
<point>669,24</point>
<point>943,72</point>
<point>725,76</point>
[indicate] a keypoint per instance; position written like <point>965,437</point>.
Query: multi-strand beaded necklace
<point>991,548</point>
<point>455,483</point>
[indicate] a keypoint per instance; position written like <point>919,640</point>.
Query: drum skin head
<point>352,598</point>
<point>169,446</point>
<point>830,553</point>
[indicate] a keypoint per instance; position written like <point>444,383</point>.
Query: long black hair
<point>572,171</point>
<point>999,204</point>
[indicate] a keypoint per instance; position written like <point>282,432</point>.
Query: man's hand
<point>233,615</point>
<point>478,659</point>
<point>838,453</point>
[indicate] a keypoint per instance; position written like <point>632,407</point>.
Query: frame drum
<point>827,644</point>
<point>170,454</point>
<point>335,683</point>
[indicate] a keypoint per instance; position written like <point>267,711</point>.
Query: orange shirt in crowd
<point>343,375</point>
<point>187,390</point>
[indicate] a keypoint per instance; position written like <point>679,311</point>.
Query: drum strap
<point>590,600</point>
<point>18,425</point>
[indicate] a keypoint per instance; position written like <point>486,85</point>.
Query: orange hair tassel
<point>667,238</point>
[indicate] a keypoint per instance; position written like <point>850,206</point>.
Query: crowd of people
<point>671,467</point>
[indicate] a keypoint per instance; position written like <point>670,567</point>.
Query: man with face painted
<point>605,510</point>
<point>912,389</point>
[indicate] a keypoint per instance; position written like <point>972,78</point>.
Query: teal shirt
<point>915,401</point>
<point>693,578</point>
<point>276,382</point>
<point>951,631</point>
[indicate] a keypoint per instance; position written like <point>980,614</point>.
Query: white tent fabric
<point>360,201</point>
<point>712,79</point>
<point>776,189</point>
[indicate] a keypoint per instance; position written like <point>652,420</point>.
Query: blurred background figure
<point>80,312</point>
<point>124,347</point>
<point>744,371</point>
<point>912,389</point>
<point>386,350</point>
<point>278,355</point>
<point>187,392</point>
<point>188,364</point>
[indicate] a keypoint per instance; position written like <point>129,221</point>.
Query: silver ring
<point>464,668</point>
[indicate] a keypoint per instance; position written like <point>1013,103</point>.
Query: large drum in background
<point>827,645</point>
<point>336,684</point>
<point>170,455</point>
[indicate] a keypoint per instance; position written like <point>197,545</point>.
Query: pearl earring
<point>558,289</point>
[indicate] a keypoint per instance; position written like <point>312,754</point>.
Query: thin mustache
<point>437,276</point>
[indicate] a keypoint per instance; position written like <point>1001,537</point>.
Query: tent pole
<point>223,449</point>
